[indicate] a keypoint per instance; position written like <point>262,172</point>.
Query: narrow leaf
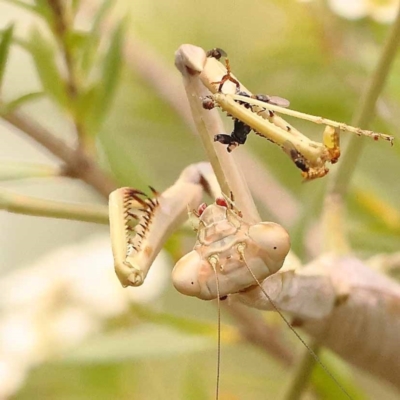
<point>194,386</point>
<point>44,57</point>
<point>93,37</point>
<point>26,6</point>
<point>75,4</point>
<point>111,69</point>
<point>327,388</point>
<point>4,50</point>
<point>18,102</point>
<point>105,87</point>
<point>144,342</point>
<point>38,9</point>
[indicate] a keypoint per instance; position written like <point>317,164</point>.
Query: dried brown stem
<point>61,30</point>
<point>78,164</point>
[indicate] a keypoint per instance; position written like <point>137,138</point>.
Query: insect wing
<point>279,101</point>
<point>275,100</point>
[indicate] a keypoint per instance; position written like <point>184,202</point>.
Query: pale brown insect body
<point>226,248</point>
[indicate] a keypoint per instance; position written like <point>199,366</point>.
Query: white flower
<point>383,10</point>
<point>12,376</point>
<point>66,296</point>
<point>379,10</point>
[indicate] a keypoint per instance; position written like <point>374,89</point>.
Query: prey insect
<point>259,113</point>
<point>241,130</point>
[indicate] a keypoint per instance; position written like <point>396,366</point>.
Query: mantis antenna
<point>213,262</point>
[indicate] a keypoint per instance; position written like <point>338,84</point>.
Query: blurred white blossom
<point>60,300</point>
<point>383,11</point>
<point>12,376</point>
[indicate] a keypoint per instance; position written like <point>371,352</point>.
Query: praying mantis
<point>234,253</point>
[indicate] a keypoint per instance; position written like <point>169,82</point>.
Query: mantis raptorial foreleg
<point>140,225</point>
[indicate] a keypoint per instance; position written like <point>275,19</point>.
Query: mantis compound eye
<point>201,209</point>
<point>185,274</point>
<point>273,239</point>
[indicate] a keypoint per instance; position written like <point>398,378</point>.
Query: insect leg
<point>237,137</point>
<point>218,53</point>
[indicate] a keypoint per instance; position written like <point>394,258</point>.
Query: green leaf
<point>26,6</point>
<point>145,341</point>
<point>41,10</point>
<point>194,387</point>
<point>112,64</point>
<point>4,50</point>
<point>103,91</point>
<point>75,40</point>
<point>16,103</point>
<point>187,325</point>
<point>93,37</point>
<point>325,386</point>
<point>75,5</point>
<point>44,56</point>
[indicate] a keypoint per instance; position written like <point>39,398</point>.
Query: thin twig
<point>78,164</point>
<point>20,204</point>
<point>365,110</point>
<point>11,170</point>
<point>334,228</point>
<point>61,31</point>
<point>302,375</point>
<point>333,210</point>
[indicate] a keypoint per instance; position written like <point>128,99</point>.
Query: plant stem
<point>366,110</point>
<point>334,226</point>
<point>302,375</point>
<point>78,164</point>
<point>19,204</point>
<point>62,30</point>
<point>17,170</point>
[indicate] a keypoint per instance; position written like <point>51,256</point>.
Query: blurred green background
<point>301,51</point>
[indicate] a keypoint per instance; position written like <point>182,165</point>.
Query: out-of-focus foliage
<point>301,51</point>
